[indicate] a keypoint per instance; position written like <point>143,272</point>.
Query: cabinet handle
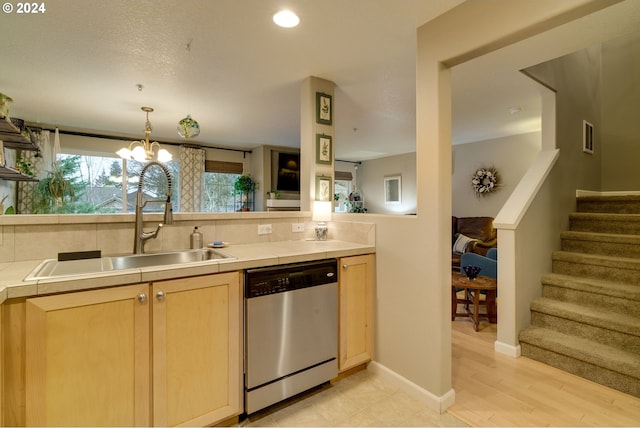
<point>344,266</point>
<point>160,295</point>
<point>142,298</point>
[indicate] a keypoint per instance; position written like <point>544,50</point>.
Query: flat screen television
<point>287,172</point>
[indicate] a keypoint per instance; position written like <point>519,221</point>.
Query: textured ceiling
<point>225,63</point>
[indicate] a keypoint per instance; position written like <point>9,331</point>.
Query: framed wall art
<point>323,188</point>
<point>393,190</point>
<point>587,137</point>
<point>324,108</point>
<point>324,149</point>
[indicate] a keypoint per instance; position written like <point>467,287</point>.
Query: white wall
<point>511,156</point>
<point>371,176</point>
<point>108,147</point>
<point>620,114</point>
<point>576,78</point>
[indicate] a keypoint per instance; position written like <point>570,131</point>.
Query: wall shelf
<point>283,205</point>
<point>12,138</point>
<point>11,174</point>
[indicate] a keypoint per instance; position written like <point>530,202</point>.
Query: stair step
<point>601,243</point>
<point>600,363</point>
<point>622,204</point>
<point>615,329</point>
<point>628,224</point>
<point>614,269</point>
<point>606,295</point>
<point>587,321</point>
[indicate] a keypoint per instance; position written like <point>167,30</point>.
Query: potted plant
<point>24,167</point>
<point>56,192</point>
<point>273,194</point>
<point>244,185</point>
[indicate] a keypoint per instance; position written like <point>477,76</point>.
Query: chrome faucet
<point>140,235</point>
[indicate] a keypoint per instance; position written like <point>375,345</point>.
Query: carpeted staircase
<point>587,321</point>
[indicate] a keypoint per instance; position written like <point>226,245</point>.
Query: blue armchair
<point>488,265</point>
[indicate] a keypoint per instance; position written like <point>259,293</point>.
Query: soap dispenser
<point>196,238</point>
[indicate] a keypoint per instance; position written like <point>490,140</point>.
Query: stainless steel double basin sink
<point>53,268</point>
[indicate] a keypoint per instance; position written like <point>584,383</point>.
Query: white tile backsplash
<point>28,239</point>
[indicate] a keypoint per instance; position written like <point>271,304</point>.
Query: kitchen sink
<point>53,268</point>
<point>163,259</point>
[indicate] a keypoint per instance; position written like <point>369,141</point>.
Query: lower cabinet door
<point>197,371</point>
<point>357,288</point>
<point>164,354</point>
<point>87,358</point>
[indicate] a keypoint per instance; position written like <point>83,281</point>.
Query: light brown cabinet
<point>357,297</point>
<point>197,350</point>
<point>87,358</point>
<point>162,354</point>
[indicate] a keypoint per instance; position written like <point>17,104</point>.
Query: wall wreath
<point>485,181</point>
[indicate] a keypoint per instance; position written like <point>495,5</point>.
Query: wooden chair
<point>485,284</point>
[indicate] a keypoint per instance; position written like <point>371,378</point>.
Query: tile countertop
<point>248,256</point>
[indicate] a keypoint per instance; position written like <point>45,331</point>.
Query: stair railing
<point>527,236</point>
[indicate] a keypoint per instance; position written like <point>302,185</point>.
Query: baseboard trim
<point>606,193</point>
<point>439,404</point>
<point>506,349</point>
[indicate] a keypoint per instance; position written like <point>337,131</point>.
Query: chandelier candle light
<point>143,150</point>
<point>321,214</point>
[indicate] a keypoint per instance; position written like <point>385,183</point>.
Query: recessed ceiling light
<point>286,19</point>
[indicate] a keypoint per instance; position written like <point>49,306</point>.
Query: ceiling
<point>79,65</point>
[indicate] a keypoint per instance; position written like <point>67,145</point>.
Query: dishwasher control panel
<point>278,279</point>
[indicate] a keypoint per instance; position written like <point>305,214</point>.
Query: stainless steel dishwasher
<point>291,330</point>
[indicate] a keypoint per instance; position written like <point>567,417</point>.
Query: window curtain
<point>223,167</point>
<point>41,164</point>
<point>191,179</point>
<point>343,176</point>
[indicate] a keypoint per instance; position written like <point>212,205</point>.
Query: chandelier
<point>143,150</point>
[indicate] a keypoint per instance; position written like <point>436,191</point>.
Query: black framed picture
<point>323,149</point>
<point>288,178</point>
<point>324,108</point>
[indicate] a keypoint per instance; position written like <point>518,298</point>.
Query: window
<point>80,184</point>
<point>342,188</point>
<point>154,186</point>
<point>219,178</point>
<point>96,183</point>
<point>96,186</point>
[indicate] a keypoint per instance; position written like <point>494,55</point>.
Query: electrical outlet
<point>297,227</point>
<point>264,229</point>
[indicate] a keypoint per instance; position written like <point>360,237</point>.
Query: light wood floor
<point>496,390</point>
